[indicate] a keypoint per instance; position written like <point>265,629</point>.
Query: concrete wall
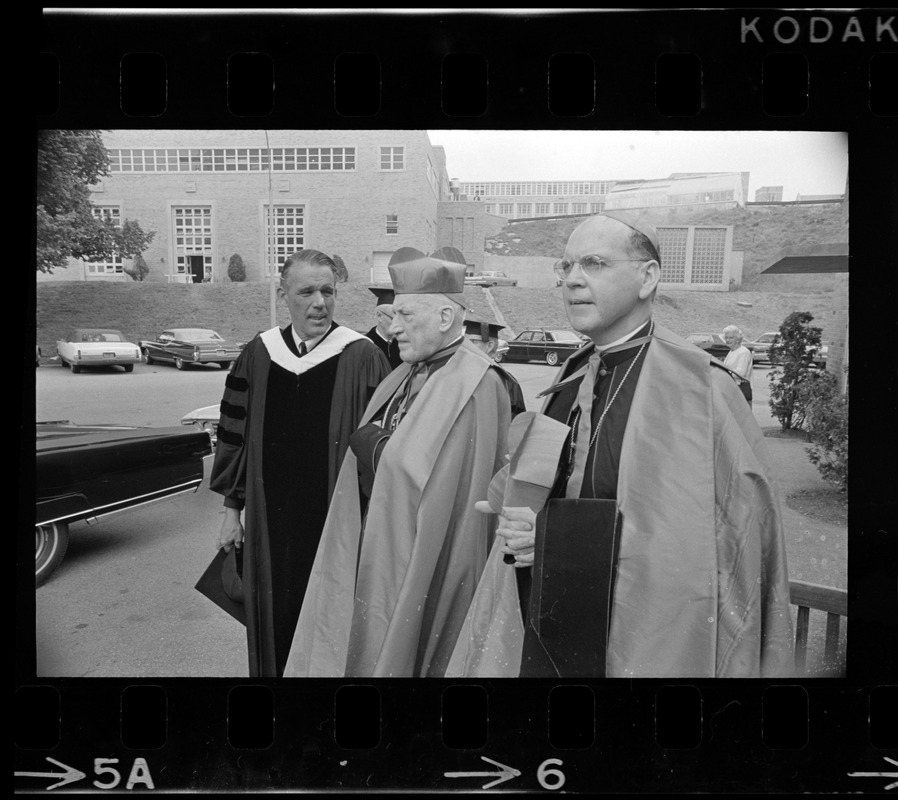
<point>531,272</point>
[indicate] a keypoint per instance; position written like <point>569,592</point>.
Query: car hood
<point>206,412</point>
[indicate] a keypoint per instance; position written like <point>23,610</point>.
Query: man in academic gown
<point>391,583</point>
<point>485,335</point>
<point>660,552</point>
<point>380,333</point>
<point>290,403</point>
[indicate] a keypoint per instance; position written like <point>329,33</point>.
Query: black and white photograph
<point>152,453</point>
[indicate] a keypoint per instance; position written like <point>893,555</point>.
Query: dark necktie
<point>303,349</point>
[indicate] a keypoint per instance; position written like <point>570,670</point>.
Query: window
<point>596,208</point>
<point>578,208</point>
<point>238,159</point>
<point>286,233</point>
<point>489,208</point>
<point>193,236</point>
<point>524,209</point>
<point>392,158</point>
<point>392,224</point>
<point>542,208</point>
<point>112,266</point>
<point>506,209</point>
<point>561,208</point>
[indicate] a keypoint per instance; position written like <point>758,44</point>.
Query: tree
<point>342,272</point>
<point>827,428</point>
<point>68,161</point>
<point>236,269</point>
<point>138,269</point>
<point>792,354</point>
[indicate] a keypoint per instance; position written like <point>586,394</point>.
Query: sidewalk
<point>816,550</point>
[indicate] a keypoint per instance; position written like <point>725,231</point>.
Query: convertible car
<point>97,347</point>
<point>84,472</point>
<point>552,346</point>
<point>185,346</point>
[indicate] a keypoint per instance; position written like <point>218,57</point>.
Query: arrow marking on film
<point>505,773</point>
<point>878,774</point>
<point>69,776</point>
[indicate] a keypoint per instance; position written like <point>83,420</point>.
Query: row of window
<point>526,188</point>
<point>543,209</point>
<point>651,199</point>
<point>249,159</point>
<point>192,229</point>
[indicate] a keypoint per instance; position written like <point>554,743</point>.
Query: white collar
<point>283,356</point>
<point>385,338</point>
<point>310,343</point>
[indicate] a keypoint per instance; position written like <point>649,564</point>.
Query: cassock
<point>390,587</point>
<point>284,429</point>
<point>390,349</point>
<point>698,584</point>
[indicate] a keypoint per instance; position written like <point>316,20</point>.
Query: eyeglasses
<point>590,264</point>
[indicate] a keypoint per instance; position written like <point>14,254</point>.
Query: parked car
<point>490,278</point>
<point>204,419</point>
<point>185,346</point>
<point>819,357</point>
<point>538,344</point>
<point>713,343</point>
<point>97,347</point>
<point>84,472</point>
<point>760,347</point>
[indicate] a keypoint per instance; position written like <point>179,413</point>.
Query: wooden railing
<point>809,596</point>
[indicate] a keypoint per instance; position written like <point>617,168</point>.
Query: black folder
<point>222,583</point>
<point>572,589</point>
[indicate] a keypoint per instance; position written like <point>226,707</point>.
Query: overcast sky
<point>799,161</point>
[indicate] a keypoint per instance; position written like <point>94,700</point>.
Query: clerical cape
<point>701,583</point>
<point>389,592</point>
<point>284,429</point>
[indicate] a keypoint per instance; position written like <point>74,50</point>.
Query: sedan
<point>84,472</point>
<point>760,347</point>
<point>204,419</point>
<point>490,279</point>
<point>185,346</point>
<point>538,344</point>
<point>712,343</point>
<point>97,347</point>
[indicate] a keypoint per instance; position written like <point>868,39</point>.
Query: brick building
<point>360,194</point>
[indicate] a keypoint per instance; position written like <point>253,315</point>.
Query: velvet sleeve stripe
<point>229,437</point>
<point>233,411</point>
<point>236,384</point>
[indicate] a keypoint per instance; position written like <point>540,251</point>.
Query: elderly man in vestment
<point>660,550</point>
<point>393,579</point>
<point>290,403</point>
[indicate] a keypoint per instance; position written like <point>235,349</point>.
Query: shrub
<point>342,272</point>
<point>138,269</point>
<point>826,423</point>
<point>792,353</point>
<point>236,269</point>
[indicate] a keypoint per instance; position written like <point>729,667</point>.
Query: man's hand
<point>517,527</point>
<point>231,534</point>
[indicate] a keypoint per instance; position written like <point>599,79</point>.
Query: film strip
<point>628,70</point>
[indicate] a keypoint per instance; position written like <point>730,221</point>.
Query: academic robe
<point>701,585</point>
<point>389,601</point>
<point>389,349</point>
<point>284,429</point>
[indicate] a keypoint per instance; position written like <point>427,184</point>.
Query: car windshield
<point>566,336</point>
<point>101,336</point>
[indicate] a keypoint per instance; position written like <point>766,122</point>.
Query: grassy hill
<point>240,310</point>
<point>759,231</point>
